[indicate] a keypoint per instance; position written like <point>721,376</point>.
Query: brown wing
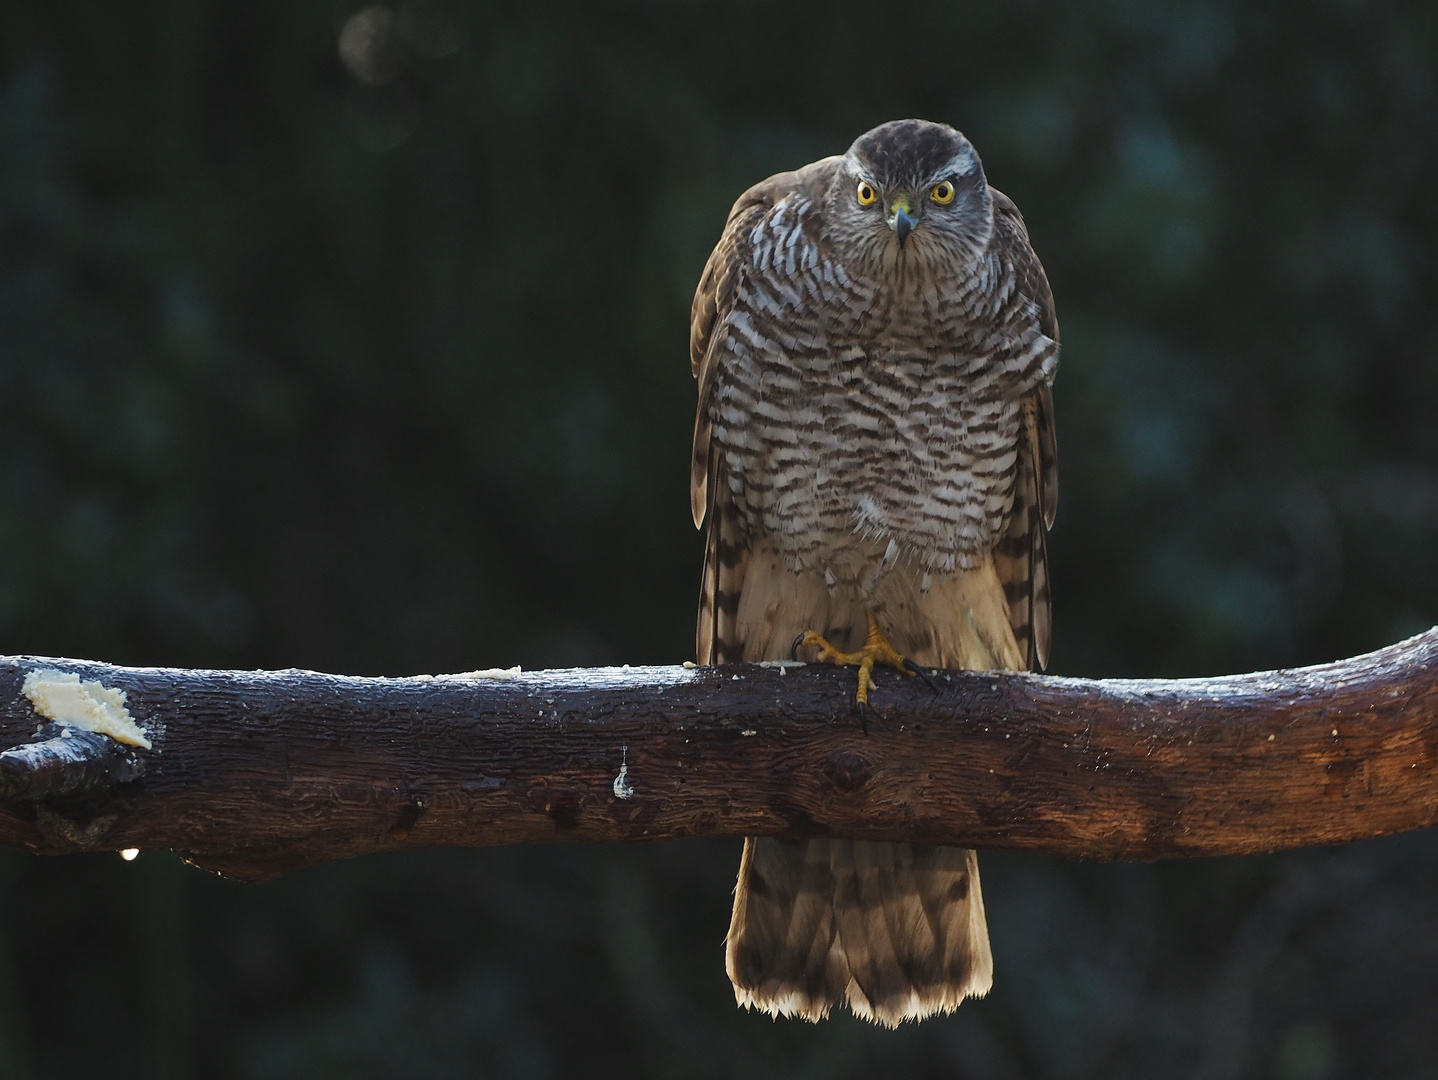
<point>726,551</point>
<point>1021,556</point>
<point>713,300</point>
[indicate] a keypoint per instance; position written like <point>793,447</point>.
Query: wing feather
<point>1021,556</point>
<point>713,299</point>
<point>726,553</point>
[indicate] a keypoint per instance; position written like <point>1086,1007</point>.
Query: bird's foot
<point>876,650</point>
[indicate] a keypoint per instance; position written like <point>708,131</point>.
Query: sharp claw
<point>863,716</point>
<point>911,666</point>
<point>794,648</point>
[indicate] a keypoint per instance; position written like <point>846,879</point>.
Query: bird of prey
<point>874,341</point>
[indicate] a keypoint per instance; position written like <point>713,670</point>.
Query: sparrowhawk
<point>874,341</point>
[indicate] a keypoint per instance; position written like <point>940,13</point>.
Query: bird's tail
<point>896,931</point>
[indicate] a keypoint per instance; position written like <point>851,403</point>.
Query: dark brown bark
<point>253,774</point>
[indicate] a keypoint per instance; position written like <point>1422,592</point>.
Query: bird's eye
<point>867,197</point>
<point>943,193</point>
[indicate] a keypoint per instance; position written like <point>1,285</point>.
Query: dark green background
<point>357,341</point>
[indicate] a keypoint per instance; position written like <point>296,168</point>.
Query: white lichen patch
<point>490,673</point>
<point>61,696</point>
<point>783,665</point>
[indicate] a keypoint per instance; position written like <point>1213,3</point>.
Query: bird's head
<point>910,189</point>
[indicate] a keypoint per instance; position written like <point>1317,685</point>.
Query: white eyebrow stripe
<point>961,164</point>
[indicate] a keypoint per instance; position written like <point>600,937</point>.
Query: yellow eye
<point>943,193</point>
<point>867,197</point>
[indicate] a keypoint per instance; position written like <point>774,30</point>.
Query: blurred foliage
<point>355,338</point>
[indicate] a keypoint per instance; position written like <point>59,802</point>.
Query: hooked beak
<point>902,221</point>
<point>903,225</point>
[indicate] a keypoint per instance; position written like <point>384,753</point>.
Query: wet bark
<point>255,773</point>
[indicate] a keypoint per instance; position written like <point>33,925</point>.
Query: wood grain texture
<point>256,773</point>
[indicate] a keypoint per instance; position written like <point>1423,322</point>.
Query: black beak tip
<point>903,225</point>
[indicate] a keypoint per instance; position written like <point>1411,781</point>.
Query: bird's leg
<point>876,650</point>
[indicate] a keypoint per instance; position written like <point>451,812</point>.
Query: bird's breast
<point>848,447</point>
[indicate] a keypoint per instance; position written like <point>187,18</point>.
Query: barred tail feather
<point>895,931</point>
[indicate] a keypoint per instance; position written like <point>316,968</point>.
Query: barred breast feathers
<point>908,402</point>
<point>842,415</point>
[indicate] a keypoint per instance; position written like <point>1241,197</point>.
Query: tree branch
<point>256,773</point>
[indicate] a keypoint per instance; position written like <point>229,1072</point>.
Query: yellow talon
<point>876,650</point>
